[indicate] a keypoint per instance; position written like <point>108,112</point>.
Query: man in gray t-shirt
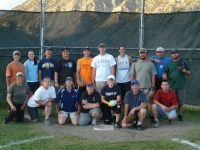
<point>135,104</point>
<point>144,71</point>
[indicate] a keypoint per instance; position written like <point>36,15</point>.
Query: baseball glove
<point>82,81</point>
<point>130,118</point>
<point>151,93</point>
<point>181,65</point>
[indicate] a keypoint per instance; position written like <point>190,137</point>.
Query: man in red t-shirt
<point>165,102</point>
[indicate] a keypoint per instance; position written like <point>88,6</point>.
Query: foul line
<point>187,142</point>
<point>26,141</point>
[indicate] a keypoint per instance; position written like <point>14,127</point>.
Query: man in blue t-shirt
<point>46,66</point>
<point>135,104</point>
<point>159,60</point>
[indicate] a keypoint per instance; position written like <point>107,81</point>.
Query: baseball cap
<point>69,78</point>
<point>90,84</point>
<point>135,82</point>
<point>160,49</point>
<point>102,44</point>
<point>48,48</point>
<point>65,48</point>
<point>142,50</point>
<point>16,52</point>
<point>86,48</point>
<point>175,50</point>
<point>111,77</point>
<point>19,74</point>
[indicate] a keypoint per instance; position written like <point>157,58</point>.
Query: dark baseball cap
<point>65,48</point>
<point>174,51</point>
<point>90,84</point>
<point>48,48</point>
<point>69,78</point>
<point>135,82</point>
<point>102,44</point>
<point>86,48</point>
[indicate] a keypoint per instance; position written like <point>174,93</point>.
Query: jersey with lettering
<point>110,93</point>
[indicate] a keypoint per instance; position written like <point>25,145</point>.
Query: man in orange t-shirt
<point>84,70</point>
<point>14,67</point>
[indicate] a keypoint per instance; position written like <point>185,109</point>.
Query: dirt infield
<point>164,131</point>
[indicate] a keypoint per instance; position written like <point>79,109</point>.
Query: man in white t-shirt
<point>42,99</point>
<point>103,66</point>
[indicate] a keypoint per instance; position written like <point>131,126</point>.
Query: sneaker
<point>47,121</point>
<point>27,116</point>
<point>170,122</point>
<point>117,125</point>
<point>140,127</point>
<point>5,121</point>
<point>156,125</point>
<point>152,119</point>
<point>180,118</point>
<point>94,122</point>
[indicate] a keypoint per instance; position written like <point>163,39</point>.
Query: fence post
<point>141,25</point>
<point>42,23</point>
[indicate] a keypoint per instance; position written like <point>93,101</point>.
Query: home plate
<point>103,127</point>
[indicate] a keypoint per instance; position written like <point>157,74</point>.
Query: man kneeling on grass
<point>42,99</point>
<point>90,107</point>
<point>135,104</point>
<point>165,102</point>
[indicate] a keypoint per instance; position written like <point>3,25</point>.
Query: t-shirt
<point>103,66</point>
<point>65,68</point>
<point>110,93</point>
<point>47,67</point>
<point>143,72</point>
<point>134,100</point>
<point>85,69</point>
<point>68,100</point>
<point>12,69</point>
<point>31,71</point>
<point>41,94</point>
<point>123,69</point>
<point>93,98</point>
<point>160,66</point>
<point>168,99</point>
<point>18,93</point>
<point>176,78</point>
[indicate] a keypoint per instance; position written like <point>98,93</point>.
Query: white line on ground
<point>26,141</point>
<point>187,142</point>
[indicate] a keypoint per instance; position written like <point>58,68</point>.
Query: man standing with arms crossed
<point>175,72</point>
<point>144,71</point>
<point>84,70</point>
<point>103,66</point>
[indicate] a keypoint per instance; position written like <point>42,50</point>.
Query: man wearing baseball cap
<point>103,66</point>
<point>14,67</point>
<point>46,66</point>
<point>90,106</point>
<point>159,60</point>
<point>84,70</point>
<point>64,67</point>
<point>135,104</point>
<point>175,72</point>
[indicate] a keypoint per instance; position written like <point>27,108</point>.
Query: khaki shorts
<point>100,85</point>
<point>65,114</point>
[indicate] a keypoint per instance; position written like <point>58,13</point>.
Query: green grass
<point>15,132</point>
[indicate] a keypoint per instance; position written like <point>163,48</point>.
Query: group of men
<point>133,80</point>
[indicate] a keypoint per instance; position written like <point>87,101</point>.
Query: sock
<point>134,122</point>
<point>156,120</point>
<point>139,123</point>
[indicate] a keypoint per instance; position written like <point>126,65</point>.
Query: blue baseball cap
<point>69,78</point>
<point>135,82</point>
<point>90,84</point>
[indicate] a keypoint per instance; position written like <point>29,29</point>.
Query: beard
<point>175,58</point>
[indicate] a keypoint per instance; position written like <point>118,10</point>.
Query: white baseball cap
<point>111,77</point>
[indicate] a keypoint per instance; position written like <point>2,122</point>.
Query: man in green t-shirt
<point>175,74</point>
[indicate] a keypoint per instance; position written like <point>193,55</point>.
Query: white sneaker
<point>27,116</point>
<point>47,121</point>
<point>94,122</point>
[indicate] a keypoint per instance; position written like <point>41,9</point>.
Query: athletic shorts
<point>100,85</point>
<point>33,86</point>
<point>167,113</point>
<point>180,93</point>
<point>65,114</point>
<point>33,112</point>
<point>125,87</point>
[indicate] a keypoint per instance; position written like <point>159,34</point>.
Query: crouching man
<point>165,103</point>
<point>90,107</point>
<point>135,104</point>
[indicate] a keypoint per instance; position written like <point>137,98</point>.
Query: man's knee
<point>143,111</point>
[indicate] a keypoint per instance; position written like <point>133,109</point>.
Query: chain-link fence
<point>75,29</point>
